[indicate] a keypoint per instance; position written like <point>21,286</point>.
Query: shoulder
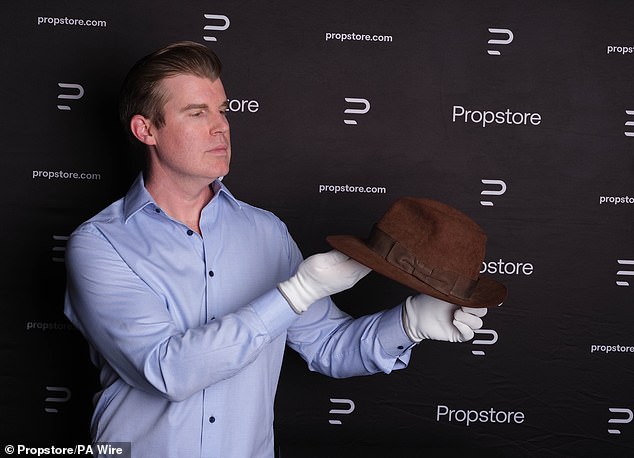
<point>92,239</point>
<point>261,214</point>
<point>112,215</point>
<point>261,226</point>
<point>256,216</point>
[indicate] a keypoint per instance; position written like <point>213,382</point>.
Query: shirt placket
<point>212,420</point>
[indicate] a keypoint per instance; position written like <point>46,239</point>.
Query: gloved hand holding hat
<point>436,250</point>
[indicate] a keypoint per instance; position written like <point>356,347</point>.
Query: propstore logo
<point>57,395</point>
<point>59,247</point>
<point>486,118</point>
<point>468,417</point>
<point>624,273</point>
<point>361,107</point>
<point>243,106</point>
<point>502,267</point>
<point>619,49</point>
<point>345,407</point>
<point>216,22</point>
<point>629,125</point>
<point>504,37</point>
<point>342,37</point>
<point>77,22</point>
<point>603,349</point>
<point>620,416</point>
<point>75,92</point>
<point>492,338</point>
<point>616,200</point>
<point>499,188</point>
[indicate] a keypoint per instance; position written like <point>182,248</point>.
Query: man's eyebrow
<point>203,106</point>
<point>195,106</point>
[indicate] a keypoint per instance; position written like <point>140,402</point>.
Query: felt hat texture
<point>430,247</point>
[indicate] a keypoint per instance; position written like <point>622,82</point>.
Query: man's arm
<point>130,326</point>
<point>335,344</point>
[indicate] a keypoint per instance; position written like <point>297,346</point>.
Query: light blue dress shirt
<point>188,331</point>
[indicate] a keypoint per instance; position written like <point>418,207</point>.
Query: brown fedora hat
<point>430,247</point>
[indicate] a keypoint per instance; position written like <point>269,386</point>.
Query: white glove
<point>425,317</point>
<point>319,276</point>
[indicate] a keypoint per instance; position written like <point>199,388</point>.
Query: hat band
<point>444,281</point>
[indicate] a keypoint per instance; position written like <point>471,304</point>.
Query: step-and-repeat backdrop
<point>520,114</point>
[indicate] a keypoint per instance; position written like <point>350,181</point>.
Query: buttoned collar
<point>138,197</point>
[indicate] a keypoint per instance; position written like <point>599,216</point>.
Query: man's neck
<point>182,201</point>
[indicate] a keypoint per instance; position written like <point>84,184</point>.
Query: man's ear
<point>141,128</point>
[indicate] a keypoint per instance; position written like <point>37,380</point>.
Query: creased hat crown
<point>431,247</point>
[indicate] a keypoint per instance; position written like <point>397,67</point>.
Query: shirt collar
<point>138,197</point>
<point>221,191</point>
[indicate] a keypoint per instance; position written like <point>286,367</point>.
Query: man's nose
<point>219,125</point>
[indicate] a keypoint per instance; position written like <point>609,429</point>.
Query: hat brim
<point>488,292</point>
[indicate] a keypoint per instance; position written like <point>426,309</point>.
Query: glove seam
<point>406,326</point>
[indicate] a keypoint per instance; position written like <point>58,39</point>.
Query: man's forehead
<point>184,86</point>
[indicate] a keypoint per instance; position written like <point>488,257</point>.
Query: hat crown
<point>436,234</point>
<point>431,247</point>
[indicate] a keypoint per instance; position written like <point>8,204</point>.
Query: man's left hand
<point>425,317</point>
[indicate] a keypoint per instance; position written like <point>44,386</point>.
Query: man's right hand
<point>319,276</point>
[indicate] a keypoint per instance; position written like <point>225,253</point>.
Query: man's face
<point>193,144</point>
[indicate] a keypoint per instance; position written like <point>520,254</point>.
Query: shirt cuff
<point>392,336</point>
<point>274,312</point>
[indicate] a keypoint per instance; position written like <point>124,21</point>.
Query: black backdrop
<point>519,113</point>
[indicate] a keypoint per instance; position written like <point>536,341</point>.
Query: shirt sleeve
<point>130,327</point>
<point>335,344</point>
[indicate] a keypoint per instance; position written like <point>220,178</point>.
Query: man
<point>187,296</point>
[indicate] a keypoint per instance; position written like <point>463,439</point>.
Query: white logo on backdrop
<point>220,22</point>
<point>490,341</point>
<point>359,111</point>
<point>625,262</point>
<point>507,267</point>
<point>500,190</point>
<point>77,92</point>
<point>60,394</point>
<point>487,118</point>
<point>348,405</point>
<point>622,420</point>
<point>243,106</point>
<point>505,41</point>
<point>629,124</point>
<point>469,417</point>
<point>59,247</point>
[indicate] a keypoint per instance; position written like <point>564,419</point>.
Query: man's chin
<point>222,174</point>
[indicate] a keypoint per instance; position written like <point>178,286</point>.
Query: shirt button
<point>211,273</point>
<point>190,232</point>
<point>400,347</point>
<point>157,210</point>
<point>212,419</point>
